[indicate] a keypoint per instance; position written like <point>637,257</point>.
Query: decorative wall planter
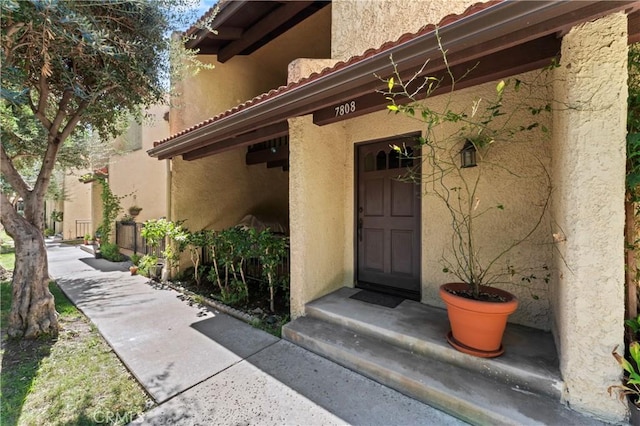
<point>477,326</point>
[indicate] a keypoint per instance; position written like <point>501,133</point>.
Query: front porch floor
<point>405,348</point>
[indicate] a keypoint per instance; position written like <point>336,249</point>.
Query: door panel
<point>388,222</point>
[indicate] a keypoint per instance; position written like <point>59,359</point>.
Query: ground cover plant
<point>53,381</point>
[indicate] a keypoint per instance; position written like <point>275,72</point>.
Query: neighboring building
<point>287,121</point>
<point>131,174</point>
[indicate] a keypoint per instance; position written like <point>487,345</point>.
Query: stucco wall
<point>358,25</point>
<point>77,203</point>
<point>320,163</point>
<point>216,192</point>
<point>589,173</point>
<point>141,178</point>
<point>513,175</point>
<point>322,192</point>
<point>211,92</point>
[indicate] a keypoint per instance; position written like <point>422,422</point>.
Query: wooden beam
<point>226,33</point>
<point>260,135</point>
<point>276,153</point>
<point>634,27</point>
<point>269,23</point>
<point>530,56</point>
<point>279,163</point>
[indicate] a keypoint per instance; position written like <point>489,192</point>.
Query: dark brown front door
<point>387,221</point>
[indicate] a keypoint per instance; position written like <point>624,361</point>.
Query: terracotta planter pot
<point>477,326</point>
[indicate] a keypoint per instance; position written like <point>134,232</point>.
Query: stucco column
<point>590,92</point>
<point>316,209</point>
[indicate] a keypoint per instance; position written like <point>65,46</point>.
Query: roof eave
<point>494,22</point>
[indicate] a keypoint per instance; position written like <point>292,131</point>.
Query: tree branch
<point>73,121</point>
<point>11,174</point>
<point>48,163</point>
<point>43,90</point>
<point>62,106</point>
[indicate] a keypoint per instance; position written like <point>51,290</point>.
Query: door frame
<point>356,190</point>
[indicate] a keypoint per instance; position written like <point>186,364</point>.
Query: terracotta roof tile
<point>427,29</point>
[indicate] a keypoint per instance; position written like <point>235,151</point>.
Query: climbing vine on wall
<point>110,210</point>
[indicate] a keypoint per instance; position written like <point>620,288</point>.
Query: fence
<point>252,267</point>
<point>83,227</point>
<point>128,237</point>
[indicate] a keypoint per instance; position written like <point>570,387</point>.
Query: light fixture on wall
<point>273,150</point>
<point>468,155</point>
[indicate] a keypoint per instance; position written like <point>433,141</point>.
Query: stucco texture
<point>515,175</point>
<point>140,178</point>
<point>212,91</point>
<point>589,172</point>
<point>76,204</point>
<point>358,25</point>
<point>216,192</point>
<point>320,165</point>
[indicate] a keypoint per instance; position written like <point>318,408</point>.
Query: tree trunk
<point>33,310</point>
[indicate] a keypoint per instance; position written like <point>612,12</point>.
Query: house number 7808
<point>345,108</point>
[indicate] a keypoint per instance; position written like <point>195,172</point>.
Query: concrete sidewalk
<point>203,367</point>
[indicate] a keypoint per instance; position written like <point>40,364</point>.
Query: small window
<point>381,160</point>
<point>407,158</point>
<point>394,159</point>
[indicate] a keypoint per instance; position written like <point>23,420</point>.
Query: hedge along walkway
<point>205,367</point>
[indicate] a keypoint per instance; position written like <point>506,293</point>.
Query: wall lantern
<point>468,155</point>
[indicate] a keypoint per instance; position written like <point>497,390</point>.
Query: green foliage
<point>57,216</point>
<point>110,210</point>
<point>633,124</point>
<point>631,384</point>
<point>487,123</point>
<point>196,242</point>
<point>48,232</point>
<point>271,250</point>
<point>135,259</point>
<point>53,381</point>
<point>155,231</point>
<point>147,265</point>
<point>111,252</point>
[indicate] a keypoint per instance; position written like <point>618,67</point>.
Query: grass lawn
<point>73,380</point>
<point>7,260</point>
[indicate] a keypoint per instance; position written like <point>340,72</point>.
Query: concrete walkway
<point>203,367</point>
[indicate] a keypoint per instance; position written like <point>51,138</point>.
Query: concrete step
<point>530,360</point>
<point>470,396</point>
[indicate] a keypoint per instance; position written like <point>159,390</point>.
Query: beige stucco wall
<point>140,178</point>
<point>358,25</point>
<point>76,204</point>
<point>229,84</point>
<point>323,174</point>
<point>320,164</point>
<point>589,173</point>
<point>216,192</point>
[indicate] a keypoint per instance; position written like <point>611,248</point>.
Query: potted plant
<point>87,238</point>
<point>135,210</point>
<point>458,163</point>
<point>630,388</point>
<point>135,260</point>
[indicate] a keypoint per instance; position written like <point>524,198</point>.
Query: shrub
<point>111,252</point>
<point>135,259</point>
<point>48,232</point>
<point>147,265</point>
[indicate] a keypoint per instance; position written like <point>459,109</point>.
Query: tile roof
<point>427,29</point>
